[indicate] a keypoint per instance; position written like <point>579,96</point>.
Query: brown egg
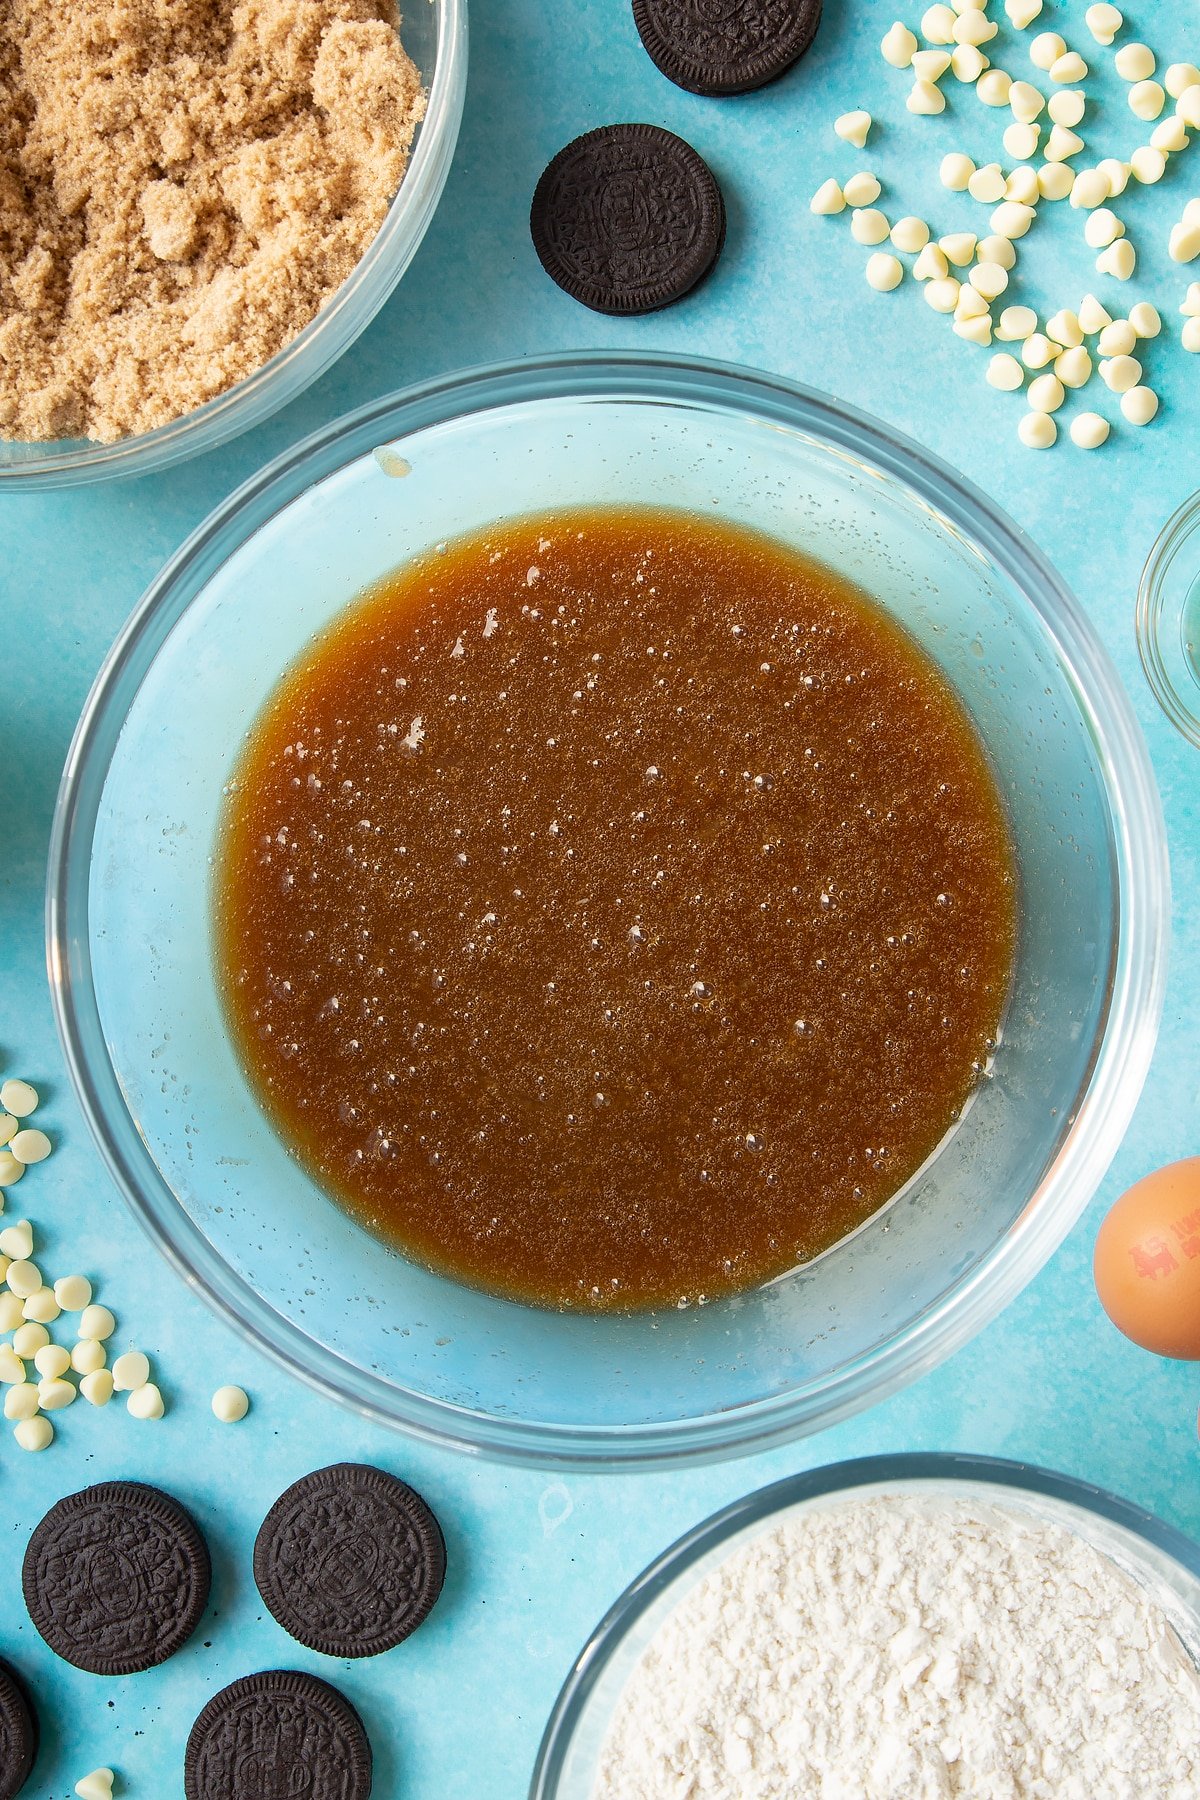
<point>1147,1262</point>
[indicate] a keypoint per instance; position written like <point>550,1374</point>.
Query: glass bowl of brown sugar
<point>248,1213</point>
<point>228,205</point>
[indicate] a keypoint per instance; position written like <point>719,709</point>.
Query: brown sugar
<point>614,909</point>
<point>183,184</point>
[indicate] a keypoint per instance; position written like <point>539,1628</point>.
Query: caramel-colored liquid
<point>614,909</point>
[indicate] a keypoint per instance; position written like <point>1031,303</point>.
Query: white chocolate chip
<point>54,1395</point>
<point>1145,319</point>
<point>88,1356</point>
<point>925,98</point>
<point>21,1401</point>
<point>1190,337</point>
<point>1102,228</point>
<point>828,199</point>
<point>1016,324</point>
<point>956,171</point>
<point>1065,329</point>
<point>910,234</point>
<point>868,225</point>
<point>1117,339</point>
<point>145,1402</point>
<point>28,1339</point>
<point>8,1125</point>
<point>1011,219</point>
<point>1180,77</point>
<point>51,1361</point>
<point>974,28</point>
<point>132,1370</point>
<point>1139,405</point>
<point>11,1170</point>
<point>884,272</point>
<point>1037,350</point>
<point>987,184</point>
<point>96,1322</point>
<point>1147,99</point>
<point>861,189</point>
<point>30,1146</point>
<point>1026,102</point>
<point>1185,248</point>
<point>931,265</point>
<point>1119,260</point>
<point>42,1306</point>
<point>73,1292</point>
<point>1148,164</point>
<point>16,1240</point>
<point>1067,106</point>
<point>1046,49</point>
<point>1120,373</point>
<point>996,249</point>
<point>854,127</point>
<point>994,87</point>
<point>1169,136</point>
<point>1062,143</point>
<point>1117,172</point>
<point>24,1278</point>
<point>937,25</point>
<point>989,279</point>
<point>1188,108</point>
<point>97,1387</point>
<point>1022,186</point>
<point>959,247</point>
<point>1069,68</point>
<point>967,62</point>
<point>18,1098</point>
<point>976,329</point>
<point>1135,62</point>
<point>899,46</point>
<point>1023,12</point>
<point>1005,372</point>
<point>12,1369</point>
<point>12,1311</point>
<point>1103,22</point>
<point>1089,430</point>
<point>1037,431</point>
<point>1190,310</point>
<point>1046,393</point>
<point>96,1786</point>
<point>1090,189</point>
<point>971,304</point>
<point>34,1434</point>
<point>1021,141</point>
<point>942,294</point>
<point>1055,180</point>
<point>1093,317</point>
<point>930,65</point>
<point>230,1404</point>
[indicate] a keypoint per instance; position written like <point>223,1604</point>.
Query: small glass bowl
<point>435,36</point>
<point>132,961</point>
<point>1168,620</point>
<point>1162,1560</point>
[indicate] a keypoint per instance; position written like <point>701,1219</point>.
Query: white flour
<point>907,1649</point>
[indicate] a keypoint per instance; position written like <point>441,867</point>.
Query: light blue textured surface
<point>457,1712</point>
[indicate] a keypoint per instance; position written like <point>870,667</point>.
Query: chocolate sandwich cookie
<point>281,1732</point>
<point>349,1560</point>
<point>725,46</point>
<point>116,1578</point>
<point>18,1733</point>
<point>627,219</point>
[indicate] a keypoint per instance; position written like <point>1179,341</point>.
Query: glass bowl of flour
<point>897,1628</point>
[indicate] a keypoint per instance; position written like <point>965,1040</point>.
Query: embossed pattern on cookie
<point>725,46</point>
<point>278,1733</point>
<point>18,1734</point>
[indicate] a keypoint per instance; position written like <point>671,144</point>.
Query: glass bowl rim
<point>326,337</point>
<point>757,1508</point>
<point>1137,981</point>
<point>1152,621</point>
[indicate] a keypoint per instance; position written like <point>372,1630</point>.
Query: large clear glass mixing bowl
<point>132,964</point>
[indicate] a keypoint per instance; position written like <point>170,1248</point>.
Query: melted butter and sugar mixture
<point>614,909</point>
